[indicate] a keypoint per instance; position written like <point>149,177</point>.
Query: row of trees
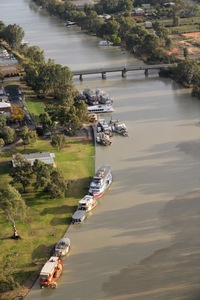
<point>187,73</point>
<point>122,26</point>
<point>8,134</point>
<point>39,176</point>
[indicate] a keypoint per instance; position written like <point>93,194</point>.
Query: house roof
<point>46,157</point>
<point>4,105</point>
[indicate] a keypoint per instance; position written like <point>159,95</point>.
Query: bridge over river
<point>123,70</point>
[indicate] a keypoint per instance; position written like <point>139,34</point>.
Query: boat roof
<point>65,241</point>
<point>49,266</point>
<point>100,106</point>
<point>86,199</point>
<point>79,214</point>
<point>102,171</point>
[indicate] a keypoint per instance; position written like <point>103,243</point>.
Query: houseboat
<point>118,127</point>
<point>99,109</point>
<point>102,126</point>
<point>87,203</point>
<point>101,181</point>
<point>78,217</point>
<point>103,139</point>
<point>96,97</point>
<point>50,272</point>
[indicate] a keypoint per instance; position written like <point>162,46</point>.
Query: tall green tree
<point>58,140</point>
<point>13,35</point>
<point>46,121</point>
<point>2,143</point>
<point>50,179</point>
<point>7,134</point>
<point>13,207</point>
<point>28,136</point>
<point>57,185</point>
<point>35,55</point>
<point>22,171</point>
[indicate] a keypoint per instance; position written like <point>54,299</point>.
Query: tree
<point>42,173</point>
<point>17,114</point>
<point>13,206</point>
<point>57,185</point>
<point>28,136</point>
<point>50,179</point>
<point>2,122</point>
<point>13,35</point>
<point>58,140</point>
<point>185,52</point>
<point>45,121</point>
<point>35,54</point>
<point>185,72</point>
<point>49,79</point>
<point>22,171</point>
<point>2,143</point>
<point>126,24</point>
<point>110,27</point>
<point>7,134</point>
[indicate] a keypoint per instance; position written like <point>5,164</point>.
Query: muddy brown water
<point>142,240</point>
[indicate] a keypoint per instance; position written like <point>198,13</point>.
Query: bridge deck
<point>119,69</point>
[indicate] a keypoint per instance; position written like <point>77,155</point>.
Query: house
<point>148,24</point>
<point>138,11</point>
<point>46,157</point>
<point>5,108</point>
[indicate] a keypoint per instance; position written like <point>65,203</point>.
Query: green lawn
<point>35,106</point>
<point>48,219</point>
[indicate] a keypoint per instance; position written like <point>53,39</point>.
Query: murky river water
<point>142,240</point>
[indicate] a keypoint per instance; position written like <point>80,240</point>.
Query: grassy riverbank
<point>48,219</point>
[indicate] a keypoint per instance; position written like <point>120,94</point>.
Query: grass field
<point>35,106</point>
<point>48,219</point>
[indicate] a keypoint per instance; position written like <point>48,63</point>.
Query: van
<point>78,217</point>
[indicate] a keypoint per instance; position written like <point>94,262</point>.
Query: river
<point>142,240</point>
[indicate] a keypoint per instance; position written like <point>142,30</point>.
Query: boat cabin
<point>78,217</point>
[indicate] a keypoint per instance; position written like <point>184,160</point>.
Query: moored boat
<point>62,247</point>
<point>98,109</point>
<point>102,126</point>
<point>103,139</point>
<point>118,127</point>
<point>78,217</point>
<point>105,43</point>
<point>50,272</point>
<point>101,181</point>
<point>94,98</point>
<point>87,203</point>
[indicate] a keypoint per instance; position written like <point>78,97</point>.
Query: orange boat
<point>50,272</point>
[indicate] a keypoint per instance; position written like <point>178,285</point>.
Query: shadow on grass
<point>36,198</point>
<point>5,167</point>
<point>77,187</point>
<point>55,210</point>
<point>60,221</point>
<point>41,253</point>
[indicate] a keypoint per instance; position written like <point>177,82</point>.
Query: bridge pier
<point>81,77</point>
<point>146,72</point>
<point>103,75</point>
<point>124,73</point>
